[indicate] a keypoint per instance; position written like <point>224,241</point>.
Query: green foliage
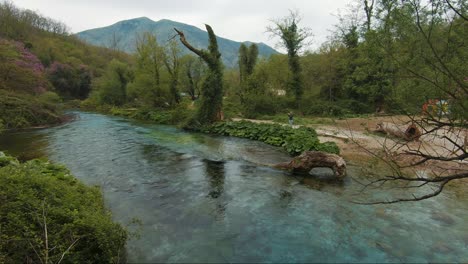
<point>39,198</point>
<point>20,69</point>
<point>293,39</point>
<point>111,88</point>
<point>146,87</point>
<point>69,81</point>
<point>255,106</point>
<point>210,109</point>
<point>172,62</point>
<point>193,70</point>
<point>247,61</point>
<point>323,108</point>
<point>22,110</point>
<point>175,116</point>
<point>293,140</point>
<point>50,98</point>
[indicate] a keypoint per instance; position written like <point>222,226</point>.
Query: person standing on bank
<point>291,118</point>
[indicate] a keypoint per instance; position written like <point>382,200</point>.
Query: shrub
<point>323,108</point>
<point>50,97</point>
<point>37,193</point>
<point>259,105</point>
<point>22,110</point>
<point>294,141</point>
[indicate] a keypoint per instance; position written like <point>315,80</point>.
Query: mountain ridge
<point>123,34</point>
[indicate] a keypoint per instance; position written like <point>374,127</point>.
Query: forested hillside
<point>40,65</point>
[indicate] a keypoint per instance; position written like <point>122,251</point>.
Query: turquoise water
<point>213,199</point>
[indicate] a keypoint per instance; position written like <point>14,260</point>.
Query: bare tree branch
<point>455,10</point>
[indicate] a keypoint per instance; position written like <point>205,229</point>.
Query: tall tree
<point>112,86</point>
<point>212,90</point>
<point>171,60</point>
<point>247,60</point>
<point>293,38</point>
<point>149,62</point>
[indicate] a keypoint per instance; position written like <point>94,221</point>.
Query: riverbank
<point>21,110</point>
<point>359,144</point>
<point>48,215</point>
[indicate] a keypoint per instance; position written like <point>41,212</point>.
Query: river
<point>201,198</point>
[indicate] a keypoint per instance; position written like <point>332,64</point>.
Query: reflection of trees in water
<point>215,174</point>
<point>24,145</point>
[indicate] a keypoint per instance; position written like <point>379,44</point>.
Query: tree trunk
<point>406,132</point>
<point>308,160</point>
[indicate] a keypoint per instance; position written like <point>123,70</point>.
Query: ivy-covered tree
<point>212,89</point>
<point>293,39</point>
<point>247,60</point>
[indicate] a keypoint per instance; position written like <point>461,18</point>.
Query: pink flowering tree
<point>20,69</point>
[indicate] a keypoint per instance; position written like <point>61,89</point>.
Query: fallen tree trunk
<point>406,132</point>
<point>308,160</point>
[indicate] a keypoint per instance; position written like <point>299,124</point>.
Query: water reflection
<point>215,177</point>
<point>215,173</point>
<point>25,145</point>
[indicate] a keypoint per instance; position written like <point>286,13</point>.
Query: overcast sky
<point>238,20</point>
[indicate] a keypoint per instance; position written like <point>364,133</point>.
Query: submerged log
<point>406,132</point>
<point>308,160</point>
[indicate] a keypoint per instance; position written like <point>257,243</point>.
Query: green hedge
<point>38,192</point>
<point>293,140</point>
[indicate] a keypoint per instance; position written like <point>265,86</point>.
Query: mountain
<point>124,34</point>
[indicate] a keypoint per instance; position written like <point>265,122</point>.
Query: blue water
<point>214,199</point>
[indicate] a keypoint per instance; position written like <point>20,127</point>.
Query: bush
<point>258,105</point>
<point>22,110</point>
<point>36,193</point>
<point>356,107</point>
<point>294,141</point>
<point>50,98</point>
<point>323,108</point>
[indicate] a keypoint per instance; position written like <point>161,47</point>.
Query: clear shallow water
<point>209,199</point>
